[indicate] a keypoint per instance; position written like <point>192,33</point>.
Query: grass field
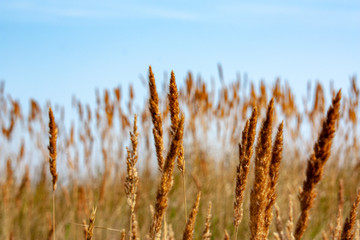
<point>194,161</point>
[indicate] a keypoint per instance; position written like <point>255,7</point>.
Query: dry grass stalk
<point>196,181</point>
<point>9,174</point>
<point>91,225</point>
<point>85,230</point>
<point>123,234</point>
<point>242,170</point>
<point>331,227</point>
<point>134,233</point>
<point>105,176</point>
<point>25,184</point>
<point>173,104</point>
<point>166,182</point>
<point>258,197</point>
<point>165,233</point>
<point>7,131</point>
<point>103,186</point>
<point>132,178</point>
<point>357,231</point>
<point>324,236</point>
<point>316,164</point>
<point>278,223</point>
<point>66,196</point>
<point>276,156</point>
<point>156,119</point>
<point>189,228</point>
<point>227,236</point>
<point>53,131</point>
<point>82,205</point>
<point>50,233</point>
<point>276,236</point>
<point>174,116</point>
<point>152,210</point>
<point>180,159</point>
<point>207,233</point>
<point>171,233</point>
<point>9,182</point>
<point>336,233</point>
<point>181,167</point>
<point>348,228</point>
<point>290,222</point>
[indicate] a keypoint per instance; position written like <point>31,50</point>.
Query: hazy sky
<point>53,49</point>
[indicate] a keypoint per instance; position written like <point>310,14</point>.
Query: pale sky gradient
<point>54,49</point>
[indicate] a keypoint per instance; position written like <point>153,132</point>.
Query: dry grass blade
<point>134,228</point>
<point>258,197</point>
<point>174,116</point>
<point>122,236</point>
<point>316,164</point>
<point>91,225</point>
<point>189,228</point>
<point>207,233</point>
<point>226,237</point>
<point>276,236</point>
<point>165,232</point>
<point>348,228</point>
<point>336,233</point>
<point>357,231</point>
<point>290,222</point>
<point>324,236</point>
<point>132,178</point>
<point>276,157</point>
<point>242,170</point>
<point>156,119</point>
<point>25,184</point>
<point>171,233</point>
<point>85,226</point>
<point>166,182</point>
<point>278,223</point>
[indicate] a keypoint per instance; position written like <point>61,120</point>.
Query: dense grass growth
<point>195,161</point>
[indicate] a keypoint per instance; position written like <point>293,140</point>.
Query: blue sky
<point>54,49</point>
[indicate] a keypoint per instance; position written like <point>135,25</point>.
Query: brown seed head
<point>166,182</point>
<point>189,228</point>
<point>316,164</point>
<point>348,228</point>
<point>276,156</point>
<point>258,197</point>
<point>91,225</point>
<point>207,233</point>
<point>242,170</point>
<point>132,178</point>
<point>53,131</point>
<point>156,119</point>
<point>173,103</point>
